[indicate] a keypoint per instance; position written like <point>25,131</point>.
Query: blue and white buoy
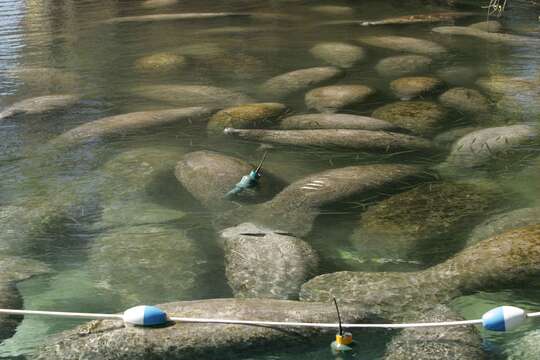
<point>145,316</point>
<point>503,318</point>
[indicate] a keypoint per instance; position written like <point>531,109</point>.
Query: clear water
<point>98,61</point>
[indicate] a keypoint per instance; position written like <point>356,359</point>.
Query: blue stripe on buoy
<point>154,316</point>
<point>494,320</point>
<point>145,315</point>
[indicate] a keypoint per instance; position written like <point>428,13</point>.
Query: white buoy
<point>145,316</point>
<point>503,318</point>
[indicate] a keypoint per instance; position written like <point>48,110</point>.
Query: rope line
<point>97,316</point>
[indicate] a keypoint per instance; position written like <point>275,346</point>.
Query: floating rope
<point>503,318</point>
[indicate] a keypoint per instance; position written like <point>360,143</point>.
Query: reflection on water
<point>69,47</point>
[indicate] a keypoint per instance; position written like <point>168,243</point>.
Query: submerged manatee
<point>503,222</point>
<point>209,176</point>
<point>418,223</point>
<point>465,100</point>
<point>339,54</point>
<point>295,208</point>
<point>192,95</point>
<point>151,4</point>
<point>334,10</point>
<point>403,44</point>
<point>124,124</point>
<point>526,347</point>
<point>447,138</point>
<point>507,39</point>
<point>262,263</point>
<point>26,230</point>
<point>182,341</point>
<point>490,26</point>
<point>419,19</point>
<point>335,121</point>
<point>176,17</point>
<point>163,62</point>
<point>491,145</point>
<point>503,261</point>
<point>364,140</point>
<point>45,81</point>
<point>403,65</point>
<point>423,118</point>
<point>142,264</point>
<point>12,271</point>
<point>410,87</point>
<point>457,75</point>
<point>292,82</point>
<point>248,116</point>
<point>39,105</point>
<point>144,174</point>
<point>456,342</point>
<point>330,99</point>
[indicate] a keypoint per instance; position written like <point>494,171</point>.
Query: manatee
<point>330,99</point>
<point>490,145</point>
<point>12,271</point>
<point>163,62</point>
<point>175,17</point>
<point>465,100</point>
<point>499,85</point>
<point>189,17</point>
<point>201,50</point>
<point>295,208</point>
<point>261,263</point>
<point>46,81</point>
<point>447,138</point>
<point>457,342</point>
<point>507,39</point>
<point>457,75</point>
<point>342,55</point>
<point>403,65</point>
<point>518,97</point>
<point>146,263</point>
<point>490,26</point>
<point>403,44</point>
<point>525,347</point>
<point>121,125</point>
<point>504,261</point>
<point>419,18</point>
<point>132,173</point>
<point>122,213</point>
<point>235,66</point>
<point>151,4</point>
<point>423,118</point>
<point>410,87</point>
<point>333,10</point>
<point>192,95</point>
<point>39,105</point>
<point>25,228</point>
<point>248,116</point>
<point>500,223</point>
<point>364,140</point>
<point>335,121</point>
<point>112,340</point>
<point>292,82</point>
<point>420,222</point>
<point>209,176</point>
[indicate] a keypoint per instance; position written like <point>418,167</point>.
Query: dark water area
<point>72,47</point>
